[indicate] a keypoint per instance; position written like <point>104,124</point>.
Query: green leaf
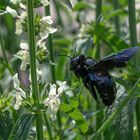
<point>21,129</point>
<point>67,2</point>
<point>6,124</point>
<point>76,115</point>
<point>83,5</point>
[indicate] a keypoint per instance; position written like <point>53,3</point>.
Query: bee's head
<point>75,61</point>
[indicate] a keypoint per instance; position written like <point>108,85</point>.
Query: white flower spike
<point>53,101</point>
<point>45,2</point>
<point>19,92</point>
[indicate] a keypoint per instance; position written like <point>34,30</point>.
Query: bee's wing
<point>115,60</point>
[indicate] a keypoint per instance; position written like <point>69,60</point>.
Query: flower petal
<point>11,11</point>
<point>44,2</point>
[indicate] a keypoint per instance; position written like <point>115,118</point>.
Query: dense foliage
<point>40,98</point>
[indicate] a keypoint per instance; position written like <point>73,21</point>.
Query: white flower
<point>44,2</point>
<point>23,55</point>
<point>19,22</point>
<point>24,46</point>
<point>51,30</point>
<point>15,1</point>
<point>18,27</point>
<point>62,86</point>
<point>12,11</point>
<point>53,101</point>
<point>46,20</point>
<point>18,101</point>
<point>46,27</point>
<point>22,6</point>
<point>19,92</point>
<point>42,44</point>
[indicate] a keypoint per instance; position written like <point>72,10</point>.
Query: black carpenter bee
<point>95,73</point>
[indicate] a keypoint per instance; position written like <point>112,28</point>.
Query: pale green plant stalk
<point>32,51</point>
<point>48,127</point>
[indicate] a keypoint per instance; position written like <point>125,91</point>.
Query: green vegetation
<point>40,98</point>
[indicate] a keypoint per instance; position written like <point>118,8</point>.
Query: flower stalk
<point>32,49</point>
<point>48,127</point>
<point>32,52</point>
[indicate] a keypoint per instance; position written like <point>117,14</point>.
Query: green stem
<point>48,127</point>
<point>116,18</point>
<point>5,57</point>
<point>138,116</point>
<point>132,22</point>
<point>96,54</point>
<point>133,39</point>
<point>98,8</point>
<point>32,51</point>
<point>117,111</point>
<point>39,127</point>
<point>50,45</point>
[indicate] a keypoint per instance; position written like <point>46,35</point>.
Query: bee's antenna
<point>66,56</point>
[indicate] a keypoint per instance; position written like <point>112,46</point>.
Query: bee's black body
<point>95,74</point>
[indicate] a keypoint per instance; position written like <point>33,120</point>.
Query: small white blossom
<point>18,27</point>
<point>51,30</point>
<point>18,101</point>
<point>64,87</point>
<point>22,6</point>
<point>53,101</point>
<point>46,27</point>
<point>12,11</point>
<point>46,20</point>
<point>23,16</point>
<point>19,92</point>
<point>23,55</point>
<point>42,44</point>
<point>19,22</point>
<point>24,46</point>
<point>44,2</point>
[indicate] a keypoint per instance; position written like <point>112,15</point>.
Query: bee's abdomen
<point>108,97</point>
<point>105,86</point>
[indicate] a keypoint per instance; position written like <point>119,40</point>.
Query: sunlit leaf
<point>76,115</point>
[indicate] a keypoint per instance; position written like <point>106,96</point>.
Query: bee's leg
<point>90,86</point>
<point>85,81</point>
<point>93,92</point>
